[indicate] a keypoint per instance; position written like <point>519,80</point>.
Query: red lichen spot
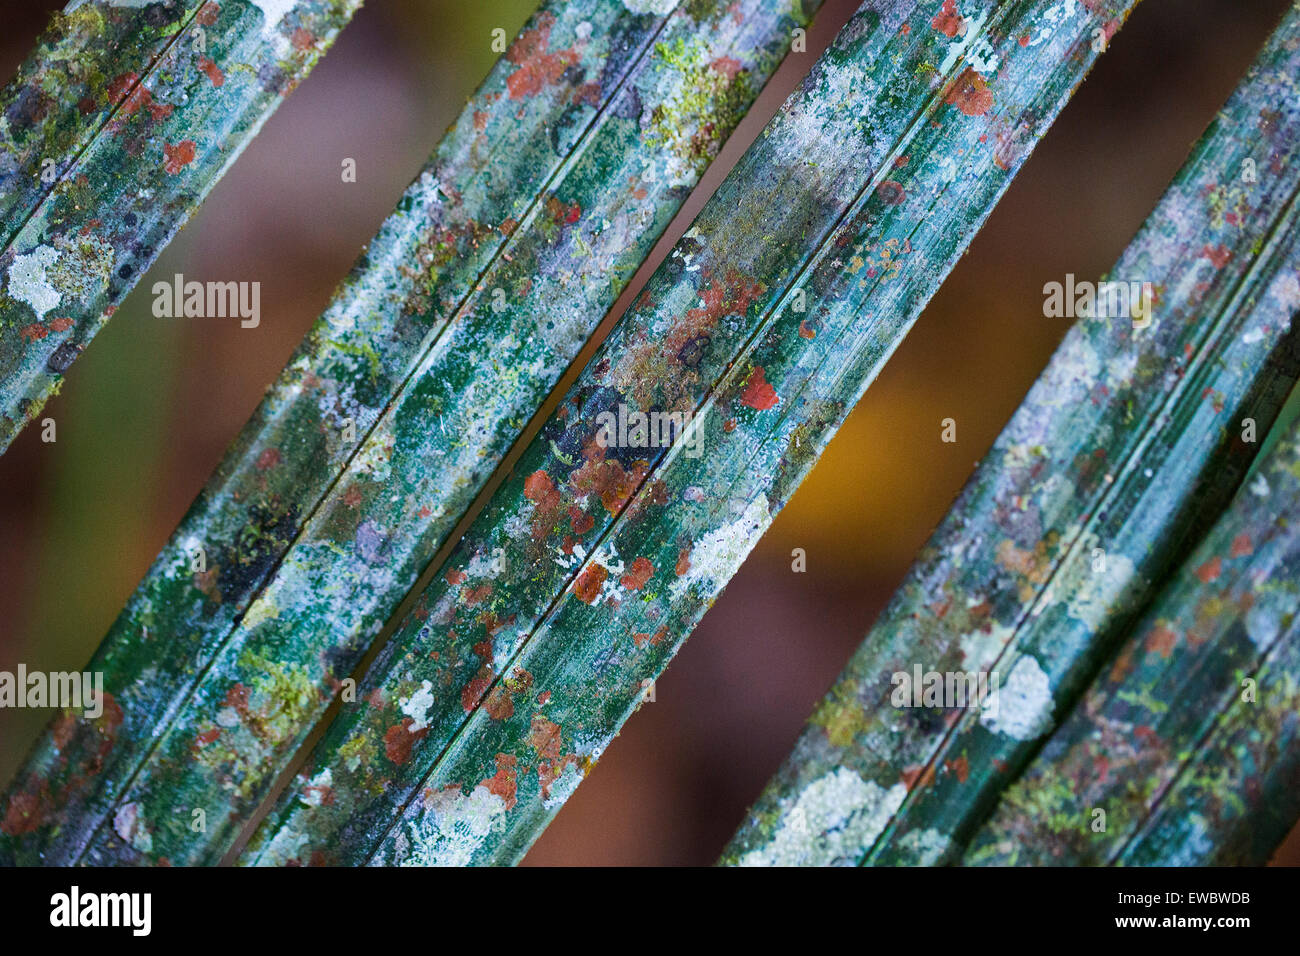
<point>25,813</point>
<point>61,324</point>
<point>268,459</point>
<point>34,332</point>
<point>303,39</point>
<point>948,21</point>
<point>476,688</point>
<point>1241,546</point>
<point>212,71</point>
<point>587,587</point>
<point>121,84</point>
<point>960,766</point>
<point>207,737</point>
<point>1219,256</point>
<point>178,156</point>
<point>478,595</point>
<point>638,574</point>
<point>916,777</point>
<point>499,705</point>
<point>806,330</point>
<point>455,577</point>
<point>352,497</point>
<point>971,94</point>
<point>537,68</point>
<point>891,192</point>
<point>757,393</point>
<point>538,486</point>
<point>726,65</point>
<point>1208,571</point>
<point>683,561</point>
<point>502,783</point>
<point>64,729</point>
<point>1161,641</point>
<point>207,14</point>
<point>400,739</point>
<point>581,522</point>
<point>544,737</point>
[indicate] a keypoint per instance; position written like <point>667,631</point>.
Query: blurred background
<point>150,407</point>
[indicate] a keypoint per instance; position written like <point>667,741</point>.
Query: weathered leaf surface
<point>593,562</point>
<point>502,258</point>
<point>1189,743</point>
<point>1123,452</point>
<point>154,140</point>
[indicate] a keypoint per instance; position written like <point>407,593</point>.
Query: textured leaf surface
<point>1124,450</point>
<point>153,141</point>
<point>1190,742</point>
<point>593,562</point>
<point>500,261</point>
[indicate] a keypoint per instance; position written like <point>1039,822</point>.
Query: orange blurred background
<point>149,409</point>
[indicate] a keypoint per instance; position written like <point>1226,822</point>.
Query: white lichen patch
<point>833,821</point>
<point>717,555</point>
<point>30,283</point>
<point>980,648</point>
<point>417,707</point>
<point>1050,20</point>
<point>660,8</point>
<point>1092,583</point>
<point>923,847</point>
<point>1021,707</point>
<point>452,827</point>
<point>977,50</point>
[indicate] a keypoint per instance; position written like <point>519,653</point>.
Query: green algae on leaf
<point>499,262</point>
<point>593,561</point>
<point>1209,781</point>
<point>1124,450</point>
<point>190,86</point>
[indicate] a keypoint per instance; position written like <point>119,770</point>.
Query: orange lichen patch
<point>25,813</point>
<point>476,688</point>
<point>638,574</point>
<point>211,71</point>
<point>971,94</point>
<point>399,740</point>
<point>503,782</point>
<point>960,766</point>
<point>477,595</point>
<point>1241,546</point>
<point>302,39</point>
<point>268,459</point>
<point>948,21</point>
<point>178,156</point>
<point>544,737</point>
<point>1161,640</point>
<point>757,393</point>
<point>1210,570</point>
<point>590,581</point>
<point>916,777</point>
<point>537,68</point>
<point>1219,255</point>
